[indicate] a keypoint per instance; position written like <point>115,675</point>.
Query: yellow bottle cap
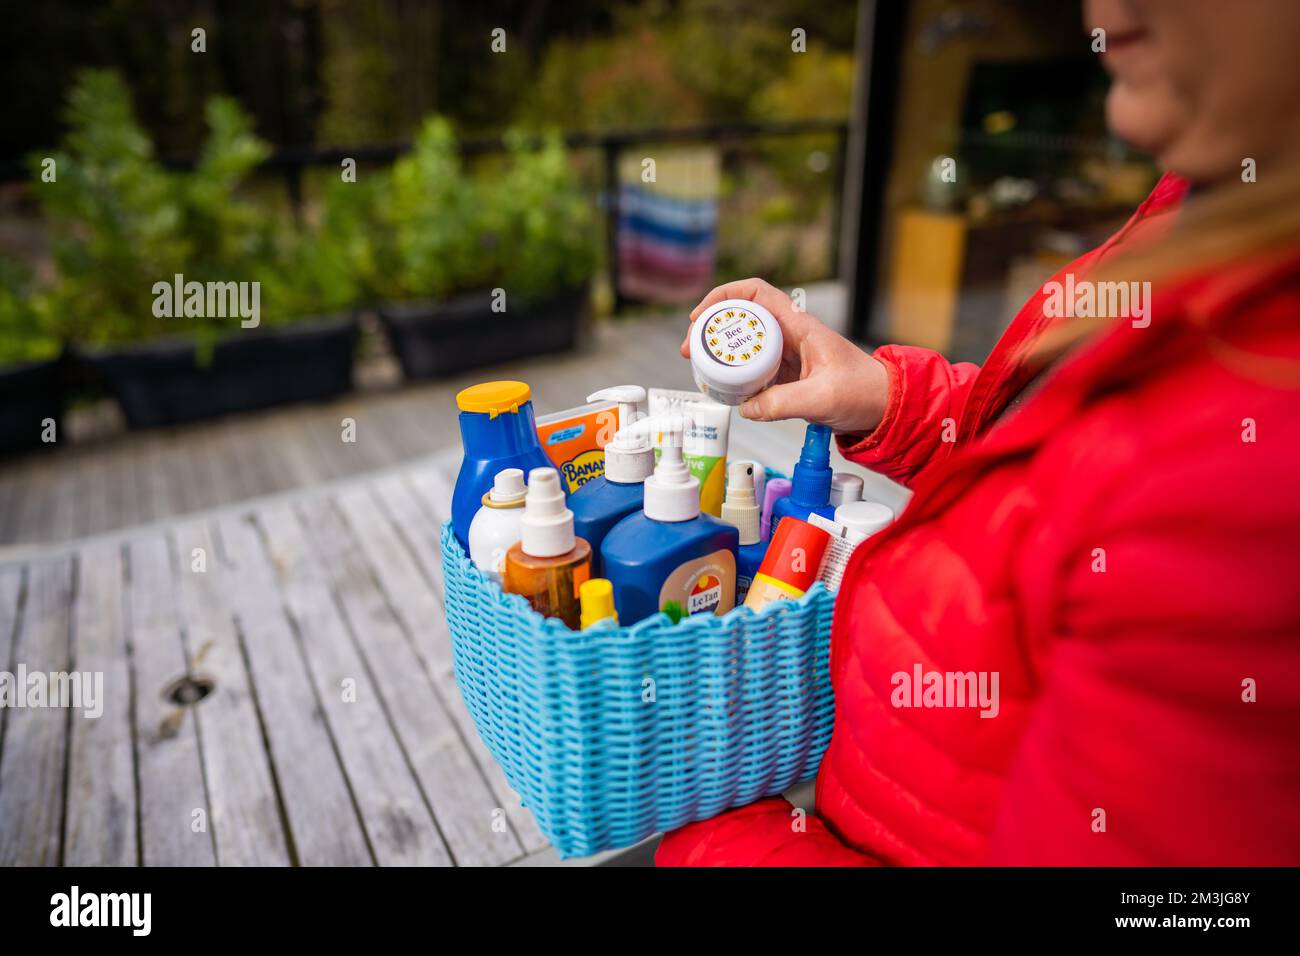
<point>495,398</point>
<point>597,597</point>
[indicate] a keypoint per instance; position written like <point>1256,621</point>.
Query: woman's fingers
<point>749,289</point>
<point>791,400</point>
<point>739,289</point>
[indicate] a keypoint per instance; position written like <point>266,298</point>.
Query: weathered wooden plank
<point>292,455</point>
<point>156,496</point>
<point>101,814</point>
<point>175,824</point>
<point>36,737</point>
<point>415,431</point>
<point>32,520</point>
<point>245,451</point>
<point>324,433</point>
<point>11,493</point>
<point>263,475</point>
<point>312,433</point>
<point>113,491</point>
<point>322,816</point>
<point>466,808</point>
<point>220,461</point>
<point>372,448</point>
<point>81,510</point>
<point>241,790</point>
<point>191,472</point>
<point>11,589</point>
<point>420,531</point>
<point>11,595</point>
<point>128,490</point>
<point>393,810</point>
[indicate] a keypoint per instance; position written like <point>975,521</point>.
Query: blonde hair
<point>1230,224</point>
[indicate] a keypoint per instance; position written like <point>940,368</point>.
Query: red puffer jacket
<point>1123,552</point>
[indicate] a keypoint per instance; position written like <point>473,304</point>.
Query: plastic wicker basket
<point>615,733</point>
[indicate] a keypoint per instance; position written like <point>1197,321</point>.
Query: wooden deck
<point>115,479</point>
<point>331,731</point>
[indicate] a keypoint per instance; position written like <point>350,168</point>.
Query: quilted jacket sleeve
<point>927,394</point>
<point>761,834</point>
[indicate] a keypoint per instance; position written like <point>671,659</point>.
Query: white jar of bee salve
<point>735,350</point>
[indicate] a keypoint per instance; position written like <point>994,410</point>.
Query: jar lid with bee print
<point>735,350</point>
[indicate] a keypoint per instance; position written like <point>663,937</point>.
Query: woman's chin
<point>1143,118</point>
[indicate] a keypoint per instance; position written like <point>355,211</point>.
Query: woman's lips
<point>1125,40</point>
<point>1124,51</point>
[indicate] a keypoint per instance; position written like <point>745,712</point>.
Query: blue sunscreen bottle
<point>810,485</point>
<point>670,557</point>
<point>498,431</point>
<point>740,508</point>
<point>629,460</point>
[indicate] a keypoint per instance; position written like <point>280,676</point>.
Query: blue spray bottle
<point>498,431</point>
<point>740,508</point>
<point>629,460</point>
<point>810,485</point>
<point>670,557</point>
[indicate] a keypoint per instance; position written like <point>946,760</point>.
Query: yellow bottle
<point>597,597</point>
<point>549,563</point>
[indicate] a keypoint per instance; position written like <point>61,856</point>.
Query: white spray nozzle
<point>672,493</point>
<point>664,432</point>
<point>508,485</point>
<point>629,458</point>
<point>547,523</point>
<point>629,398</point>
<point>740,507</point>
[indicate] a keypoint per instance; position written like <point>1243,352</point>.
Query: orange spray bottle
<point>549,563</point>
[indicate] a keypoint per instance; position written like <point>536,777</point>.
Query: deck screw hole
<point>189,690</point>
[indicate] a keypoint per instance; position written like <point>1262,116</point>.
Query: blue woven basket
<point>615,733</point>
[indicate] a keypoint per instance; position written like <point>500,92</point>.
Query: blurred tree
<point>818,84</point>
<point>620,81</point>
<point>347,72</point>
<point>377,69</point>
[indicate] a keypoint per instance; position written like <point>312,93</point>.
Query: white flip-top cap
<point>866,517</point>
<point>740,507</point>
<point>547,525</point>
<point>672,493</point>
<point>735,350</point>
<point>845,488</point>
<point>507,486</point>
<point>630,457</point>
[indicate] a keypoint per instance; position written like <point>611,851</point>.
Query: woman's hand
<point>823,377</point>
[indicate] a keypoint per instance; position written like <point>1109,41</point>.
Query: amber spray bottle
<point>549,563</point>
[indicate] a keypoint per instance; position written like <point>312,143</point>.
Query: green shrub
<point>425,228</point>
<point>121,222</point>
<point>522,224</point>
<point>431,209</point>
<point>115,218</point>
<point>539,223</point>
<point>24,318</point>
<point>327,267</point>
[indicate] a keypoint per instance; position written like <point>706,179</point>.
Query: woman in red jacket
<point>1104,536</point>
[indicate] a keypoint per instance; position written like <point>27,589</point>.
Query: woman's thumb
<point>778,402</point>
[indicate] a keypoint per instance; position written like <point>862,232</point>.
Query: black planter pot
<point>30,393</point>
<point>161,383</point>
<point>440,338</point>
